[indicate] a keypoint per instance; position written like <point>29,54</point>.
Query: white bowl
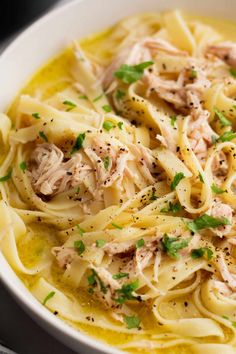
<point>30,50</point>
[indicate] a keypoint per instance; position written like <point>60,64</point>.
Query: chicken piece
<point>118,248</point>
<point>220,166</point>
<point>64,256</point>
<point>225,51</point>
<point>220,210</point>
<point>50,175</point>
<point>222,288</point>
<point>228,277</point>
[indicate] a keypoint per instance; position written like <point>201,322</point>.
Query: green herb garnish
<point>129,74</point>
<point>107,108</point>
<point>81,231</point>
<point>70,105</point>
<point>232,72</point>
<point>106,162</point>
<point>94,279</point>
<point>201,177</point>
<point>120,275</point>
<point>126,292</point>
<point>120,125</point>
<point>119,94</point>
<point>176,180</point>
<point>100,243</point>
<point>153,196</point>
<point>223,120</point>
<point>140,243</point>
<point>172,245</point>
<point>117,226</point>
<point>193,74</point>
<point>43,136</point>
<point>173,120</point>
<point>36,115</point>
<point>174,208</point>
<point>48,297</point>
<point>80,247</point>
<point>227,136</point>
<point>107,125</point>
<point>205,222</point>
<point>216,189</point>
<point>200,252</point>
<point>83,97</point>
<point>132,321</point>
<point>7,176</point>
<point>23,166</point>
<point>78,143</point>
<point>98,97</point>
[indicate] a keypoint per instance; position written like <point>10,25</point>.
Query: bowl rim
<point>8,277</point>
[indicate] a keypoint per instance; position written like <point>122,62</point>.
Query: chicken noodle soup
<point>117,183</point>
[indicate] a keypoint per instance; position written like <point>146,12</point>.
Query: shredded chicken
<point>50,175</point>
<point>64,255</point>
<point>220,210</point>
<point>225,51</point>
<point>228,277</point>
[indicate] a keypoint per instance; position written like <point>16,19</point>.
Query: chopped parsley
<point>205,222</point>
<point>7,176</point>
<point>129,74</point>
<point>81,231</point>
<point>216,189</point>
<point>126,292</point>
<point>172,245</point>
<point>120,125</point>
<point>176,180</point>
<point>140,243</point>
<point>214,139</point>
<point>100,243</point>
<point>36,115</point>
<point>43,136</point>
<point>23,166</point>
<point>223,120</point>
<point>227,318</point>
<point>227,136</point>
<point>201,177</point>
<point>173,120</point>
<point>79,246</point>
<point>98,97</point>
<point>83,97</point>
<point>119,94</point>
<point>132,322</point>
<point>48,297</point>
<point>232,72</point>
<point>94,279</point>
<point>153,196</point>
<point>174,208</point>
<point>107,108</point>
<point>120,275</point>
<point>200,252</point>
<point>193,74</point>
<point>70,105</point>
<point>106,162</point>
<point>117,226</point>
<point>78,143</point>
<point>107,125</point>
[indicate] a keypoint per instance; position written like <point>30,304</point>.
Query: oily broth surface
<point>52,78</point>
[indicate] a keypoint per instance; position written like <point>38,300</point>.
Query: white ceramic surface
<point>29,51</point>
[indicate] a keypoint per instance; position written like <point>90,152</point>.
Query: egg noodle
<point>128,175</point>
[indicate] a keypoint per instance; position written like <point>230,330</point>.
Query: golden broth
<point>51,78</point>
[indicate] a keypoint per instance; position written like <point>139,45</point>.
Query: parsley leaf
<point>227,136</point>
<point>70,105</point>
<point>78,143</point>
<point>193,74</point>
<point>100,243</point>
<point>81,231</point>
<point>83,97</point>
<point>120,275</point>
<point>224,121</point>
<point>153,196</point>
<point>173,120</point>
<point>120,125</point>
<point>172,245</point>
<point>43,136</point>
<point>216,189</point>
<point>232,72</point>
<point>7,176</point>
<point>117,226</point>
<point>98,97</point>
<point>80,247</point>
<point>23,166</point>
<point>107,125</point>
<point>200,252</point>
<point>106,162</point>
<point>48,297</point>
<point>129,74</point>
<point>206,221</point>
<point>176,180</point>
<point>132,321</point>
<point>126,292</point>
<point>172,207</point>
<point>36,115</point>
<point>107,108</point>
<point>140,243</point>
<point>119,94</point>
<point>201,177</point>
<point>94,279</point>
